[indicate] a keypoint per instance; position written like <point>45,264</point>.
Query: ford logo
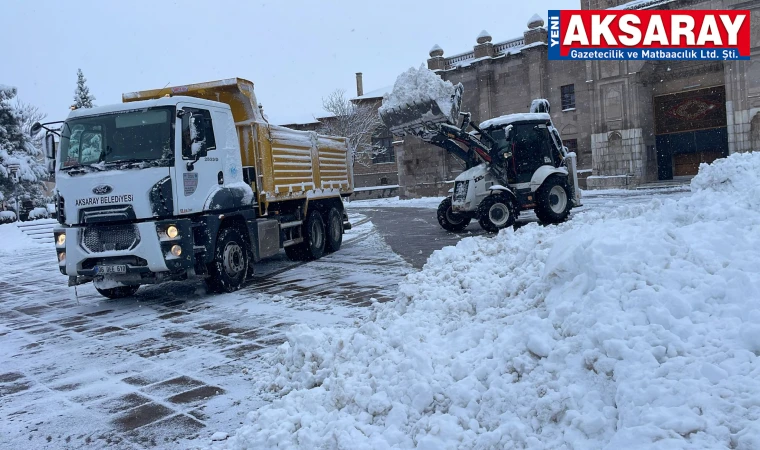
<point>102,189</point>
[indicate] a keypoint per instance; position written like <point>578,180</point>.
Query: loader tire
<point>448,219</point>
<point>334,230</point>
<point>228,270</point>
<point>496,212</point>
<point>118,292</point>
<point>553,201</point>
<point>313,245</point>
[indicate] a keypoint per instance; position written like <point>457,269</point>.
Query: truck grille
<point>460,191</point>
<point>96,239</point>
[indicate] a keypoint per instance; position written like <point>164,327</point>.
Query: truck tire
<point>227,272</point>
<point>334,230</point>
<point>553,200</point>
<point>448,219</point>
<point>313,245</point>
<point>496,212</point>
<point>118,292</point>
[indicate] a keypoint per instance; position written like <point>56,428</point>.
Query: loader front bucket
<point>420,117</point>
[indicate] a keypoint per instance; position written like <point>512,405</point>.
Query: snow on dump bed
<point>418,85</point>
<point>632,328</point>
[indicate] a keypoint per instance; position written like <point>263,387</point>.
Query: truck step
<point>292,224</point>
<point>292,242</point>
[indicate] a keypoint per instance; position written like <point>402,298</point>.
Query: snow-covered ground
<point>634,326</point>
<point>171,364</point>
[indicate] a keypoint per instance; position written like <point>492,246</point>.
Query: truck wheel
<point>226,273</point>
<point>118,292</point>
<point>334,230</point>
<point>553,200</point>
<point>450,220</point>
<point>496,212</point>
<point>313,245</point>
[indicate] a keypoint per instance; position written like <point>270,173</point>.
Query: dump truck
<point>191,181</point>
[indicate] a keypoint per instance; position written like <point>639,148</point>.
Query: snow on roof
<point>511,118</point>
<point>130,106</point>
<point>535,18</point>
<point>377,93</point>
<point>435,47</point>
<point>642,4</point>
<point>484,33</point>
<point>508,47</point>
<point>305,119</point>
<point>302,121</point>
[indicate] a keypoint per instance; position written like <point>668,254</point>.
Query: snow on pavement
<point>590,199</point>
<point>633,327</point>
<point>170,364</point>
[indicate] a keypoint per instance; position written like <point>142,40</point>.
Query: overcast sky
<point>296,52</point>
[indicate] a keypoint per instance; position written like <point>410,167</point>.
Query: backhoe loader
<point>513,163</point>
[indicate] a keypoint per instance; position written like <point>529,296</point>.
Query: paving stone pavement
<point>172,364</point>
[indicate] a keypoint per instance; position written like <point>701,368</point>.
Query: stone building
<point>630,122</point>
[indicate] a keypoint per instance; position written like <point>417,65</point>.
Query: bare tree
<point>357,122</point>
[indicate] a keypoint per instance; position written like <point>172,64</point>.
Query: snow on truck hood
<point>472,173</point>
<point>632,328</point>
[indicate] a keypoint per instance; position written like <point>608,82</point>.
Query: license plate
<point>104,270</point>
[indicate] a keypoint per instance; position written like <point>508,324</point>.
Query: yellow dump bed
<point>289,164</point>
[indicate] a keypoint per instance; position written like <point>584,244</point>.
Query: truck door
<point>198,168</point>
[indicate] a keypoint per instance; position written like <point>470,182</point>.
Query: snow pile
<point>7,216</point>
<point>38,213</point>
<point>419,86</point>
<point>637,327</point>
<point>13,240</point>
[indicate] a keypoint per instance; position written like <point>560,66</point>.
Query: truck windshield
<point>142,137</point>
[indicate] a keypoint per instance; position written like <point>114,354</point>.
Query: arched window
<point>613,105</point>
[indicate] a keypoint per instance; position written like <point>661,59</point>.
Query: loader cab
<point>524,146</point>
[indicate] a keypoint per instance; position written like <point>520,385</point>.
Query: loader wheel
<point>553,200</point>
<point>334,230</point>
<point>496,212</point>
<point>450,220</point>
<point>118,292</point>
<point>313,245</point>
<point>226,273</point>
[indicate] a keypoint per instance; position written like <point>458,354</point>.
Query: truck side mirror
<point>36,127</point>
<point>50,164</point>
<point>49,146</point>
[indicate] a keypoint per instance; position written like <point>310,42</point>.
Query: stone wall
<point>613,118</point>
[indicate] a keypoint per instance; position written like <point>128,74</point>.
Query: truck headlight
<point>61,240</point>
<point>176,250</point>
<point>172,231</point>
<point>62,257</point>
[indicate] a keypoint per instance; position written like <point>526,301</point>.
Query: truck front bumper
<point>143,250</point>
